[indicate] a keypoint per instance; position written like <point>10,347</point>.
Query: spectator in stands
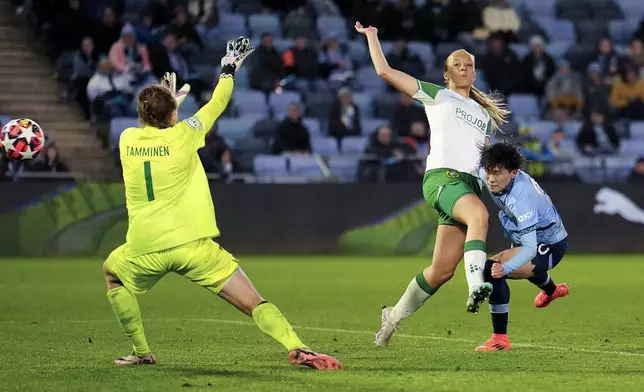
<point>49,161</point>
<point>465,21</point>
<point>597,136</point>
<point>501,66</point>
<point>555,147</point>
<point>291,135</point>
<point>281,5</point>
<point>109,92</point>
<point>267,66</point>
<point>130,57</point>
<point>406,112</point>
<point>418,137</point>
<point>597,92</point>
<point>334,56</point>
<point>537,67</point>
<point>534,150</point>
<point>108,32</point>
<point>500,17</point>
<point>85,62</point>
<point>69,28</point>
<point>637,175</point>
<point>165,57</point>
<point>369,12</point>
<point>635,57</point>
<point>627,96</point>
<point>301,62</point>
<point>189,41</point>
<point>216,155</point>
<point>432,21</point>
<point>564,90</point>
<point>385,159</point>
<point>344,118</point>
<point>607,59</point>
<point>145,29</point>
<point>403,59</point>
<point>399,20</point>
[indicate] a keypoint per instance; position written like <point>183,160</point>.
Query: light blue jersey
<point>528,217</point>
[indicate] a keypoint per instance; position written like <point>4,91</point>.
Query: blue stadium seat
<point>370,81</point>
<point>425,51</point>
<point>189,107</point>
<point>364,102</point>
<point>571,145</point>
<point>251,145</point>
<point>589,170</point>
<point>235,128</point>
<point>443,50</point>
<point>354,144</point>
<point>250,102</point>
<point>558,29</point>
<point>117,126</point>
<point>283,44</point>
<point>637,130</point>
<point>543,129</point>
<point>231,26</point>
<point>541,8</point>
<point>557,49</point>
<point>524,107</point>
<point>318,105</point>
<point>305,166</point>
<point>4,120</point>
<point>345,168</point>
<point>313,125</point>
<point>358,52</point>
<point>621,31</point>
<point>572,128</point>
<point>386,46</point>
<point>279,102</point>
<point>521,50</point>
<point>385,105</point>
<point>632,148</point>
<point>332,25</point>
<point>264,23</point>
<point>324,145</point>
<point>619,168</point>
<point>270,165</point>
<point>590,31</point>
<point>369,125</point>
<point>631,8</point>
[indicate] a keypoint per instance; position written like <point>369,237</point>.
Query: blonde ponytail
<point>494,104</point>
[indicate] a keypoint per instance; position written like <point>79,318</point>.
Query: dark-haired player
<point>172,220</point>
<point>536,231</point>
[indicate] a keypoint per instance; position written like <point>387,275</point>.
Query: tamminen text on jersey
<point>471,120</point>
<point>156,151</point>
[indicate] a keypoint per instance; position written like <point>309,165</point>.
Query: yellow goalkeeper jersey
<point>167,194</point>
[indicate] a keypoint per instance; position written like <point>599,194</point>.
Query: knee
<point>436,277</point>
<point>478,218</point>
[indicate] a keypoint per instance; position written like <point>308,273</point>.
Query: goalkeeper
<point>172,219</point>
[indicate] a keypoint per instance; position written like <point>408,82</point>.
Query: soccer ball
<point>22,139</point>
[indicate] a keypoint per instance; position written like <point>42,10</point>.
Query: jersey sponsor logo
<point>156,151</point>
<point>611,202</point>
<point>194,123</point>
<point>471,120</point>
<point>452,174</point>
<point>524,217</point>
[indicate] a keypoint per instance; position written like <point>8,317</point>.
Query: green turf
<point>57,332</point>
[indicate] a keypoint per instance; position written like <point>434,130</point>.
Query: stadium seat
<point>386,46</point>
<point>443,50</point>
<point>283,44</point>
<point>264,23</point>
<point>358,52</point>
<point>524,107</point>
<point>235,128</point>
<point>370,81</point>
<point>4,120</point>
<point>231,26</point>
<point>248,7</point>
<point>265,128</point>
<point>385,105</point>
<point>189,107</point>
<point>325,146</point>
<point>270,165</point>
<point>557,29</point>
<point>425,51</point>
<point>521,50</point>
<point>319,105</point>
<point>558,49</point>
<point>631,8</point>
<point>631,148</point>
<point>117,126</point>
<point>345,168</point>
<point>251,145</point>
<point>279,102</point>
<point>306,166</point>
<point>572,128</point>
<point>369,125</point>
<point>313,125</point>
<point>364,102</point>
<point>637,130</point>
<point>590,31</point>
<point>543,129</point>
<point>354,144</point>
<point>294,25</point>
<point>250,102</point>
<point>332,26</point>
<point>621,31</point>
<point>589,170</point>
<point>619,168</point>
<point>540,9</point>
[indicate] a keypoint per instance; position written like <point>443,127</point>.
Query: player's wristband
<point>228,71</point>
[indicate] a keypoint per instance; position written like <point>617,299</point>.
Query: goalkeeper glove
<point>236,53</point>
<point>169,81</point>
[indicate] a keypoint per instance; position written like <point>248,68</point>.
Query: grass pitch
<point>57,331</point>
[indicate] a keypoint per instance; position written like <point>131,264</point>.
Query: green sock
<point>271,321</point>
<point>126,309</point>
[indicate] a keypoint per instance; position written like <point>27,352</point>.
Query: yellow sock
<point>126,309</point>
<point>272,322</point>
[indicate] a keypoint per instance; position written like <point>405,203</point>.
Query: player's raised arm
<point>401,81</point>
<point>236,52</point>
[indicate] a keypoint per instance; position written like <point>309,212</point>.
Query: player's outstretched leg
<point>239,292</point>
<point>549,290</point>
<point>128,314</point>
<point>448,251</point>
<point>499,307</point>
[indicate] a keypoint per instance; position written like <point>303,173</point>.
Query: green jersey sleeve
<point>427,92</point>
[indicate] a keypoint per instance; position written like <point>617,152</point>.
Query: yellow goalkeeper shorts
<point>202,261</point>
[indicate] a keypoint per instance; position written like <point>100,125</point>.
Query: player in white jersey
<point>461,118</point>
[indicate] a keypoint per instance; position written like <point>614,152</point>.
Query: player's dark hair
<point>156,104</point>
<point>504,155</point>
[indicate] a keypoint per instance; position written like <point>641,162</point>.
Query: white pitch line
<point>362,332</point>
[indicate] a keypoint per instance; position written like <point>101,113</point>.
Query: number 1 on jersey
<point>147,171</point>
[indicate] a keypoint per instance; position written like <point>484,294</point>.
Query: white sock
<point>475,258</point>
<point>413,298</point>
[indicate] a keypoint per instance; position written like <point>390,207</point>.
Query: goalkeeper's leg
<point>239,292</point>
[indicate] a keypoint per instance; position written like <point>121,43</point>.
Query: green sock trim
<point>475,245</point>
<point>420,279</point>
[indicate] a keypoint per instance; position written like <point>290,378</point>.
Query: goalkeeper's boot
<point>305,357</point>
<point>542,300</point>
<point>497,342</point>
<point>146,359</point>
<point>387,328</point>
<point>478,295</point>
